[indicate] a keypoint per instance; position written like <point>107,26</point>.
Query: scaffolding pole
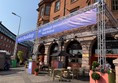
<point>101,34</point>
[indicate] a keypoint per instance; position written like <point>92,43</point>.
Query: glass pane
<point>47,11</point>
<point>42,12</point>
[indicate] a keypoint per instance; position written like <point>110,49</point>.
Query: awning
<point>61,53</point>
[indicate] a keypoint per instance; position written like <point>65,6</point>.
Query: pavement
<point>20,75</point>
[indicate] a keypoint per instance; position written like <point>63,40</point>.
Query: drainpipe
<point>64,8</point>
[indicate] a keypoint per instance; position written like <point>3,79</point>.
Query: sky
<point>24,8</point>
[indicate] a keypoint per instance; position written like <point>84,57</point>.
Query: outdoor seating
<point>74,73</point>
<point>65,74</point>
<point>50,71</point>
<point>58,73</point>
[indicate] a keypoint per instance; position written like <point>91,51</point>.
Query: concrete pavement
<point>19,75</point>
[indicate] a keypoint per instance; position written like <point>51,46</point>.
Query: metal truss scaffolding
<point>101,34</point>
<point>102,13</point>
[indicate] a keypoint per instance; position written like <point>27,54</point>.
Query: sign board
<point>77,21</point>
<point>70,22</point>
<point>28,36</point>
<point>30,67</point>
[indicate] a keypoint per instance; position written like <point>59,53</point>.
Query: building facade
<point>7,41</point>
<point>75,48</point>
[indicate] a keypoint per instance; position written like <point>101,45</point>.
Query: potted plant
<point>98,74</point>
<point>95,67</point>
<point>95,76</point>
<point>36,71</point>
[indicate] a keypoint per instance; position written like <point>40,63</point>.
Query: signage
<point>28,36</point>
<point>67,23</point>
<point>77,21</point>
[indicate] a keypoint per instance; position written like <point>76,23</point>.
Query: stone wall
<point>116,68</point>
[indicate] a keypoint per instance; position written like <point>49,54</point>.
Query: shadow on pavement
<point>43,73</point>
<point>83,78</point>
<point>11,71</point>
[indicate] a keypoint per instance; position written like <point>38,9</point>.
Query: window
<point>5,39</point>
<point>57,6</point>
<point>89,3</point>
<point>47,10</point>
<point>55,18</point>
<point>114,4</point>
<point>56,48</point>
<point>42,11</point>
<point>1,37</point>
<point>46,21</point>
<point>73,1</point>
<point>75,9</point>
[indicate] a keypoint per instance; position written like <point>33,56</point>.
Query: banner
<point>67,23</point>
<point>26,37</point>
<point>77,21</point>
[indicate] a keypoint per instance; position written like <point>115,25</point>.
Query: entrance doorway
<point>75,50</point>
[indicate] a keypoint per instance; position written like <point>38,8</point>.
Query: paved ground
<point>19,75</point>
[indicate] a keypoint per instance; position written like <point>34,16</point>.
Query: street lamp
<point>15,48</point>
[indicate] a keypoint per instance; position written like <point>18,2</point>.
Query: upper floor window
<point>57,5</point>
<point>47,10</point>
<point>5,39</point>
<point>55,18</point>
<point>73,1</point>
<point>88,2</point>
<point>42,11</point>
<point>1,37</point>
<point>115,4</point>
<point>46,21</point>
<point>75,9</point>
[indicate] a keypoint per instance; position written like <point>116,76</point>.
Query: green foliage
<point>93,68</point>
<point>36,70</point>
<point>110,51</point>
<point>95,64</point>
<point>20,56</point>
<point>95,76</point>
<point>102,70</point>
<point>109,71</point>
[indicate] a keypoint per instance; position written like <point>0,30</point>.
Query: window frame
<point>74,9</point>
<point>73,1</point>
<point>56,17</point>
<point>114,5</point>
<point>57,9</point>
<point>46,10</point>
<point>42,11</point>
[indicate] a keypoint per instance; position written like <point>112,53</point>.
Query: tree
<point>20,56</point>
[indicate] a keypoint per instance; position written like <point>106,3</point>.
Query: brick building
<point>7,41</point>
<point>79,50</point>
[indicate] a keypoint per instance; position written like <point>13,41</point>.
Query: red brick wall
<point>69,6</point>
<point>7,44</point>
